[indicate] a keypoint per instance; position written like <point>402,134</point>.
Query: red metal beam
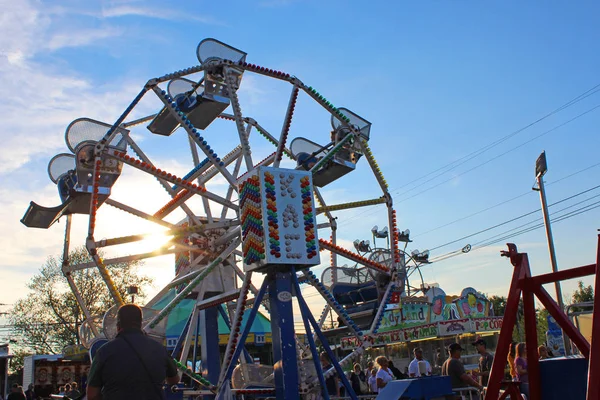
<point>508,324</point>
<point>593,389</point>
<point>564,322</point>
<point>533,365</point>
<point>564,274</point>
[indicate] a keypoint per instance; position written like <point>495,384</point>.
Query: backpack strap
<point>148,375</point>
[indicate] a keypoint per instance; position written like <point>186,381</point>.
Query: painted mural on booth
<point>435,307</point>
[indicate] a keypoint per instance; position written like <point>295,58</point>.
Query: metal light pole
<point>541,167</point>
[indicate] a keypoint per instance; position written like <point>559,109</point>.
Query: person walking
<point>485,361</point>
<point>521,368</point>
<point>415,369</point>
<point>132,365</point>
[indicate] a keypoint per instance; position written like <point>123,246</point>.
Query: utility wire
<point>503,202</point>
<point>371,209</point>
<point>574,213</point>
<point>496,157</point>
<point>495,239</point>
<point>513,219</point>
<point>485,148</point>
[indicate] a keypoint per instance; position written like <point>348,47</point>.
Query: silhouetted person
<point>132,365</point>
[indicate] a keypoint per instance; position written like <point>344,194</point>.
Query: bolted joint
<point>151,83</point>
<point>388,199</point>
<point>333,222</point>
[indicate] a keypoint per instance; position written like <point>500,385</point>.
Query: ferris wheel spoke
<point>194,134</point>
<point>139,213</point>
<point>196,160</point>
<point>287,122</point>
<point>139,121</point>
<point>268,136</point>
<point>352,204</point>
<point>231,189</point>
<point>239,119</point>
<point>143,166</point>
<point>172,192</point>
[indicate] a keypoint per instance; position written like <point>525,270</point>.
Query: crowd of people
<point>376,375</point>
<point>115,369</point>
<point>68,391</point>
<point>517,363</point>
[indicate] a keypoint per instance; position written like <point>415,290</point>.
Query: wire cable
<point>483,149</point>
<point>370,210</point>
<point>514,219</point>
<point>494,239</point>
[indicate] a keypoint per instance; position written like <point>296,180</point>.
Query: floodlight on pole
<point>541,167</point>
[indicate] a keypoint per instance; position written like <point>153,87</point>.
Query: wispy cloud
<point>82,38</point>
<point>117,11</point>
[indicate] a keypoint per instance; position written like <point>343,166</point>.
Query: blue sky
<point>438,80</point>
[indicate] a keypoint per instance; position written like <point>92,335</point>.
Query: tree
<point>582,294</point>
<point>49,317</point>
<point>498,305</point>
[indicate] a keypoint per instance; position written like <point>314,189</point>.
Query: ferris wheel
<point>245,230</point>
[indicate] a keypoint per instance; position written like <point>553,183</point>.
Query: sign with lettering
<point>408,315</point>
<point>451,328</point>
<point>487,324</point>
<point>420,332</point>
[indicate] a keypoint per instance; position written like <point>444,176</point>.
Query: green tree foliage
<point>48,317</point>
<point>498,305</point>
<point>581,295</point>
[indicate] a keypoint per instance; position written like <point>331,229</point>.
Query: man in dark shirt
<point>485,361</point>
<point>131,366</point>
<point>455,369</point>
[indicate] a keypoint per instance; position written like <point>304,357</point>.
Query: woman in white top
<point>384,375</point>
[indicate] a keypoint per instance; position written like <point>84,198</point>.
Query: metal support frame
<point>210,356</point>
<point>225,317</point>
<point>282,327</point>
<point>529,286</point>
<point>308,318</point>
